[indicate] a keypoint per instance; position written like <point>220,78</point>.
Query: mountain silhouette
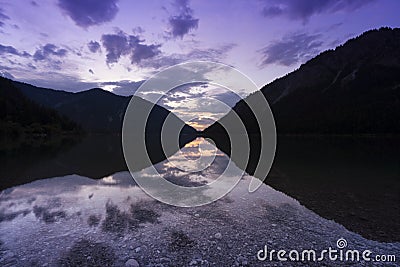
<point>20,116</point>
<point>353,89</point>
<point>95,110</point>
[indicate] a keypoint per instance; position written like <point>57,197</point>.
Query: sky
<point>76,45</point>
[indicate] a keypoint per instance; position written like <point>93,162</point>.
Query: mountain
<point>353,89</point>
<point>96,110</point>
<point>35,112</point>
<point>20,117</point>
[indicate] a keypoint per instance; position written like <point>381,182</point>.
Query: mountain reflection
<point>104,222</point>
<point>94,156</point>
<point>324,174</point>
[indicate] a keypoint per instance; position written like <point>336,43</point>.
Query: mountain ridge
<point>95,109</point>
<point>352,89</point>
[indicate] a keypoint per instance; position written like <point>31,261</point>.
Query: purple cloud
<point>6,49</point>
<point>86,13</point>
<point>48,50</point>
<point>121,44</point>
<point>6,74</point>
<point>304,9</point>
<point>217,53</point>
<point>124,87</point>
<point>3,17</point>
<point>292,49</point>
<point>184,22</point>
<point>94,46</point>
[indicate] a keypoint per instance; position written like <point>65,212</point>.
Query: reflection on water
<point>75,220</point>
<point>354,181</point>
<point>94,156</point>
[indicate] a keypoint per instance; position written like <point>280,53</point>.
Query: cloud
<point>6,74</point>
<point>3,17</point>
<point>58,81</point>
<point>121,44</point>
<point>229,98</point>
<point>86,13</point>
<point>8,50</point>
<point>184,22</point>
<point>124,87</point>
<point>5,49</point>
<point>44,52</point>
<point>304,9</point>
<point>291,49</point>
<point>94,46</point>
<point>212,54</point>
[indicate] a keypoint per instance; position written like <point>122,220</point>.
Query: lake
<point>76,204</point>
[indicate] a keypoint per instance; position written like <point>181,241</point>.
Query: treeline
<point>22,118</point>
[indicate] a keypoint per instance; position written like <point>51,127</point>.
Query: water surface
<point>71,218</point>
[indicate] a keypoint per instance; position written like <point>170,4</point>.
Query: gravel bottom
<point>76,221</point>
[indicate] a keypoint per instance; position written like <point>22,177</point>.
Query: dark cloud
<point>141,51</point>
<point>44,52</point>
<point>116,46</point>
<point>30,65</point>
<point>292,49</point>
<point>5,49</point>
<point>8,50</point>
<point>184,22</point>
<point>125,88</point>
<point>34,3</point>
<point>304,9</point>
<point>121,44</point>
<point>181,25</point>
<point>87,13</point>
<point>3,17</point>
<point>94,46</point>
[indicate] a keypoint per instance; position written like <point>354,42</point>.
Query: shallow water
<point>75,220</point>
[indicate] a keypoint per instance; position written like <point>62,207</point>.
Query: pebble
<point>165,260</point>
<point>218,236</point>
<point>137,250</point>
<point>131,263</point>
